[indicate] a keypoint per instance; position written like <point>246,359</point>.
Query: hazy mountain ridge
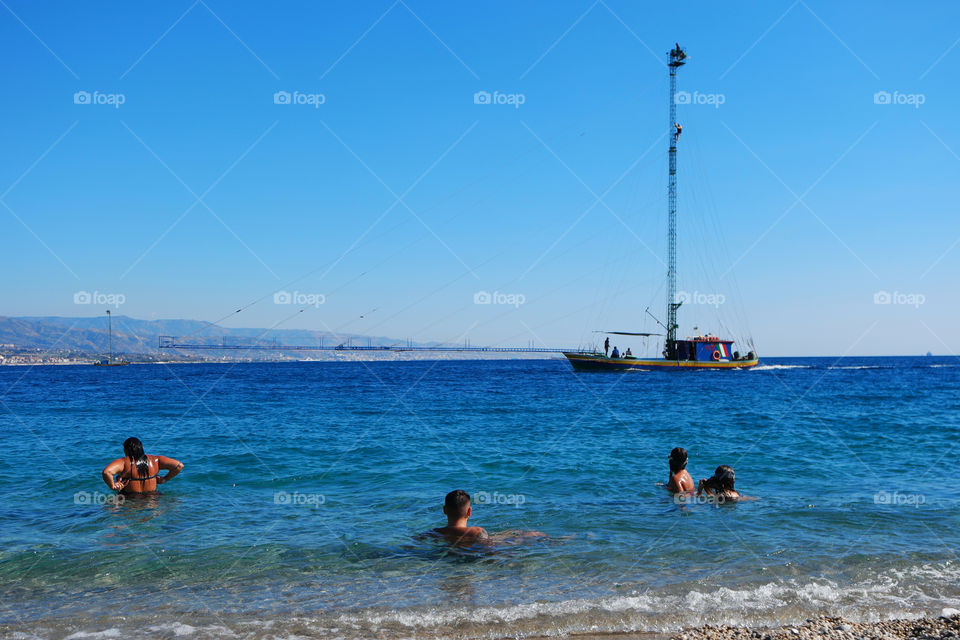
<point>135,336</point>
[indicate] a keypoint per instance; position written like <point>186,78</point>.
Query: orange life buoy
<point>716,355</point>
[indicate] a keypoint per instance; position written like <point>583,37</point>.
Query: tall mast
<point>110,331</point>
<point>677,57</point>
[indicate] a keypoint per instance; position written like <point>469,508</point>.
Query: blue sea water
<point>306,485</point>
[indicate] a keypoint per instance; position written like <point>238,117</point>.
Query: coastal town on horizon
<point>79,341</point>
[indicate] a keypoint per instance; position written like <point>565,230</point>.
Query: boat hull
<point>597,362</point>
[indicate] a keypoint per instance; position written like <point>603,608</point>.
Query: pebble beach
<point>946,627</point>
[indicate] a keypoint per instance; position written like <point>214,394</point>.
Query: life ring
<point>716,355</point>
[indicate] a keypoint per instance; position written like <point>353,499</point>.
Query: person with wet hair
<point>720,485</point>
<point>680,480</point>
<point>137,472</point>
<point>456,506</point>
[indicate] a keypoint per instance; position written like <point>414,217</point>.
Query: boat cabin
<point>704,349</point>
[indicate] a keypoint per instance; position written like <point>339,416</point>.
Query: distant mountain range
<point>133,336</point>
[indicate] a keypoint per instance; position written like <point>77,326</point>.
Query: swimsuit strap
<point>156,475</point>
<point>133,469</point>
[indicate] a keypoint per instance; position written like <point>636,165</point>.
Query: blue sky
<point>399,198</point>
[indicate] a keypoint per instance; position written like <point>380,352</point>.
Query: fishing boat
<point>109,361</point>
<point>697,352</point>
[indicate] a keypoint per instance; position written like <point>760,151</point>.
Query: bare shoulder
<point>166,463</point>
<point>116,466</point>
<point>459,536</point>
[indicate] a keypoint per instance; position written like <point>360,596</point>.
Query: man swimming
<point>720,485</point>
<point>456,506</point>
<point>680,480</point>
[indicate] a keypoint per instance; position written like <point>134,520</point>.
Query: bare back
<point>680,482</point>
<point>131,472</point>
<point>122,474</point>
<point>461,535</point>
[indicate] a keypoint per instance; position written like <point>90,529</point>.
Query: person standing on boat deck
<point>606,346</point>
<point>680,480</point>
<point>139,473</point>
<point>628,353</point>
<point>616,353</point>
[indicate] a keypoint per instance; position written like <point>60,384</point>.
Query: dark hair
<point>678,460</point>
<point>134,450</point>
<point>456,503</point>
<point>723,478</point>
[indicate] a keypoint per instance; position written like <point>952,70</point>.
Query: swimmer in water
<point>139,473</point>
<point>720,485</point>
<point>680,480</point>
<point>456,506</point>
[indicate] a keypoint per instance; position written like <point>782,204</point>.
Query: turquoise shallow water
<point>305,485</point>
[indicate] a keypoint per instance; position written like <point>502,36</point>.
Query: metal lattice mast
<point>110,333</point>
<point>677,57</point>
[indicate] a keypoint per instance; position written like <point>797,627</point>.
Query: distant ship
<point>700,352</point>
<point>109,361</point>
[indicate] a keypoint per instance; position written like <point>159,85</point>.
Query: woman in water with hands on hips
<point>138,473</point>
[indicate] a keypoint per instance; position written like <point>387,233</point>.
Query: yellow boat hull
<point>597,362</point>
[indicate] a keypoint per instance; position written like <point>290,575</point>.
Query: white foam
<point>106,633</point>
<point>898,592</point>
<point>178,629</point>
<point>772,603</point>
<point>775,367</point>
<point>861,366</point>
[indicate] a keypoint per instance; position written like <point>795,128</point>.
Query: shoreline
<point>943,627</point>
<point>818,628</point>
<point>350,358</point>
<point>7,360</point>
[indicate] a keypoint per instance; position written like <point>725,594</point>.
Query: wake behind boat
<point>699,352</point>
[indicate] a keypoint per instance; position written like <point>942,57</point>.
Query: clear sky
<point>148,154</point>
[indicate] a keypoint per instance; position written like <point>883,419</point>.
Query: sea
<point>307,486</point>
